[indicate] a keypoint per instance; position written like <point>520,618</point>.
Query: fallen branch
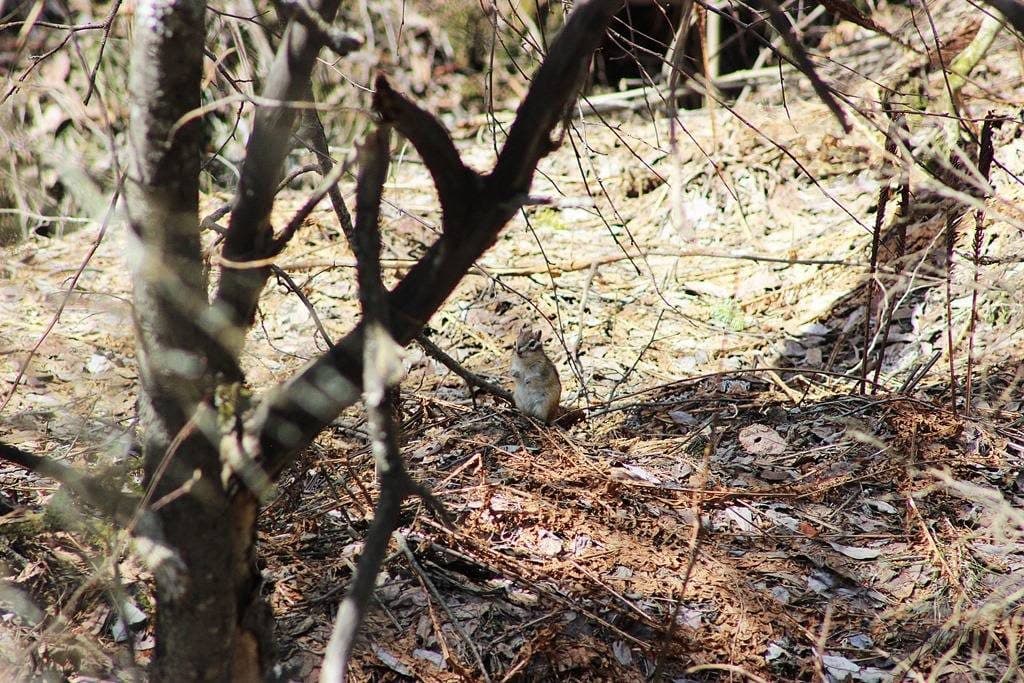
<point>471,378</point>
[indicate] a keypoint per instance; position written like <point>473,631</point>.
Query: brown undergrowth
<point>574,550</point>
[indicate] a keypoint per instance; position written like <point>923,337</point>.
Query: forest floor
<point>735,504</point>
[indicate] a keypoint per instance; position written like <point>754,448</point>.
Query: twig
<point>985,154</point>
<point>876,240</point>
<point>508,566</point>
<point>730,668</point>
<point>781,23</point>
<point>692,547</point>
<point>295,173</point>
<point>778,381</point>
<point>118,506</point>
<point>126,511</point>
<point>404,547</point>
<point>381,370</point>
<point>294,288</point>
<point>819,642</point>
<point>723,373</point>
<point>897,131</point>
<point>318,145</point>
<point>471,378</point>
<point>636,361</point>
<point>557,269</point>
<point>37,61</point>
<point>329,181</point>
<point>107,23</point>
<point>915,378</point>
<point>951,221</point>
<point>954,580</point>
<point>209,221</point>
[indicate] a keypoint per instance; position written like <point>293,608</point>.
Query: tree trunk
<point>215,627</point>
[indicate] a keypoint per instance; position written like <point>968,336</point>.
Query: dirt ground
<point>736,504</point>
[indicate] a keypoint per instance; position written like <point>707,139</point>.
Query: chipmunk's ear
<point>536,336</point>
<point>523,340</point>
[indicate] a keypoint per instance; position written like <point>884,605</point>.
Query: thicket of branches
<point>210,453</point>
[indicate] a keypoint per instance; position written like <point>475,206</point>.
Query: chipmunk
<point>537,387</point>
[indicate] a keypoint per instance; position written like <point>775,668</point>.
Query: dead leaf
<point>808,529</point>
<point>627,472</point>
<point>548,544</point>
<point>622,653</point>
<point>741,517</point>
<point>392,662</point>
<point>760,439</point>
<point>856,553</point>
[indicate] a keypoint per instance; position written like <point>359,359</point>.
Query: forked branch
<point>250,236</point>
<point>291,418</point>
<point>451,177</point>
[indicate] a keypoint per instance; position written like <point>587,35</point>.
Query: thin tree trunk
<point>214,627</point>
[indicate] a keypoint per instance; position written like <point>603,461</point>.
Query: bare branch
<point>250,236</point>
<point>382,370</point>
<point>848,11</point>
<point>338,41</point>
<point>121,508</point>
<point>294,288</point>
<point>403,545</point>
<point>291,417</point>
<point>451,177</point>
<point>329,181</point>
<point>295,173</point>
<point>374,158</point>
<point>553,91</point>
<point>353,607</point>
<point>332,37</point>
<point>1013,10</point>
<point>317,143</point>
<point>471,378</point>
<point>803,62</point>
